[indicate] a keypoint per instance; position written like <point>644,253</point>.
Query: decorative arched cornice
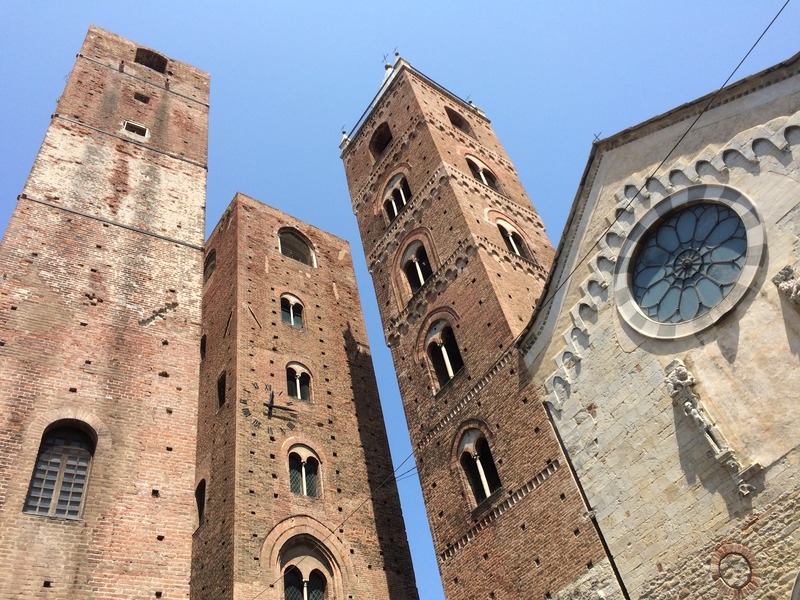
<point>776,140</point>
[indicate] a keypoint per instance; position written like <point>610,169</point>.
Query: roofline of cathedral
<point>781,71</point>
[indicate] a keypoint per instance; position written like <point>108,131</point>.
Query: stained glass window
<point>689,262</point>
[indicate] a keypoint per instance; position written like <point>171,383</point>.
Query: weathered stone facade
<point>683,432</point>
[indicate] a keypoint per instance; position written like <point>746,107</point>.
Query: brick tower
<point>459,257</point>
<point>99,330</point>
<point>294,478</point>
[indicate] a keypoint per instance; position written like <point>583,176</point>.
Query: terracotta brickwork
<point>99,329</point>
<point>253,517</point>
<point>530,537</point>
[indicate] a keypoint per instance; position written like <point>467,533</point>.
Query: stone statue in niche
<point>788,283</point>
<point>679,382</point>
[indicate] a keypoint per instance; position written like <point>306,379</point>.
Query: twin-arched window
<point>303,471</point>
<point>416,266</point>
<point>61,474</point>
<point>397,195</point>
<point>443,351</point>
<point>483,173</point>
<point>512,239</point>
<point>295,246</point>
<point>292,311</point>
<point>298,382</point>
<point>478,465</point>
<point>307,572</point>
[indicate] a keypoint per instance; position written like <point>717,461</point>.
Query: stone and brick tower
<point>459,257</point>
<point>99,334</point>
<point>294,479</point>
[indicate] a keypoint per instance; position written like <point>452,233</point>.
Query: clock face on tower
<point>688,261</point>
<point>278,415</point>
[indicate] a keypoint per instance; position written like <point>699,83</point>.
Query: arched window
<point>298,381</point>
<point>417,267</point>
<point>303,471</point>
<point>478,465</point>
<point>443,352</point>
<point>200,501</point>
<point>151,60</point>
<point>397,195</point>
<point>221,389</point>
<point>307,572</point>
<point>291,311</point>
<point>295,247</point>
<point>381,139</point>
<point>512,239</point>
<point>459,122</point>
<point>210,265</point>
<point>61,473</point>
<point>483,174</point>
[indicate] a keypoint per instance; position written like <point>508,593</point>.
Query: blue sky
<point>287,76</point>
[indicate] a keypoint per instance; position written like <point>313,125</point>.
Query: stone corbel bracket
<point>680,383</point>
<point>788,282</point>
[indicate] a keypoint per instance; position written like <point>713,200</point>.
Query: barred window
<point>293,245</point>
<point>61,474</point>
<point>303,472</point>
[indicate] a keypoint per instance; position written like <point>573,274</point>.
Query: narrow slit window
<point>210,265</point>
<point>144,99</point>
<point>200,500</point>
<point>221,384</point>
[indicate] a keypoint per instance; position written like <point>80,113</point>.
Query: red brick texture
<point>252,515</point>
<point>530,537</point>
<point>100,325</point>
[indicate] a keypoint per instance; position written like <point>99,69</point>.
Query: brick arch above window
<point>420,236</point>
<point>293,244</point>
<point>482,173</point>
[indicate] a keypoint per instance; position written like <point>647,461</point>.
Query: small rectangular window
<point>136,129</point>
<point>141,98</point>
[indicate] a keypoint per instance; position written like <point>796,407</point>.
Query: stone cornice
<point>465,399</point>
<point>497,510</point>
<point>386,161</point>
<point>416,307</point>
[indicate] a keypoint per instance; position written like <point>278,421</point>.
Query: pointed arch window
<point>292,311</point>
<point>478,465</point>
<point>295,246</point>
<point>417,267</point>
<point>303,471</point>
<point>380,140</point>
<point>443,352</point>
<point>459,122</point>
<point>397,195</point>
<point>298,382</point>
<point>513,240</point>
<point>61,473</point>
<point>483,174</point>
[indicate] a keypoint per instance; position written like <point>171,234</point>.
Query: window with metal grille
<point>292,584</point>
<point>295,247</point>
<point>316,586</point>
<point>61,474</point>
<point>291,311</point>
<point>298,382</point>
<point>303,471</point>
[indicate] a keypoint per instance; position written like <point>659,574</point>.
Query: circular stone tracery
<point>689,262</point>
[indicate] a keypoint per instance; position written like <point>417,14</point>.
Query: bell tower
<point>459,257</point>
